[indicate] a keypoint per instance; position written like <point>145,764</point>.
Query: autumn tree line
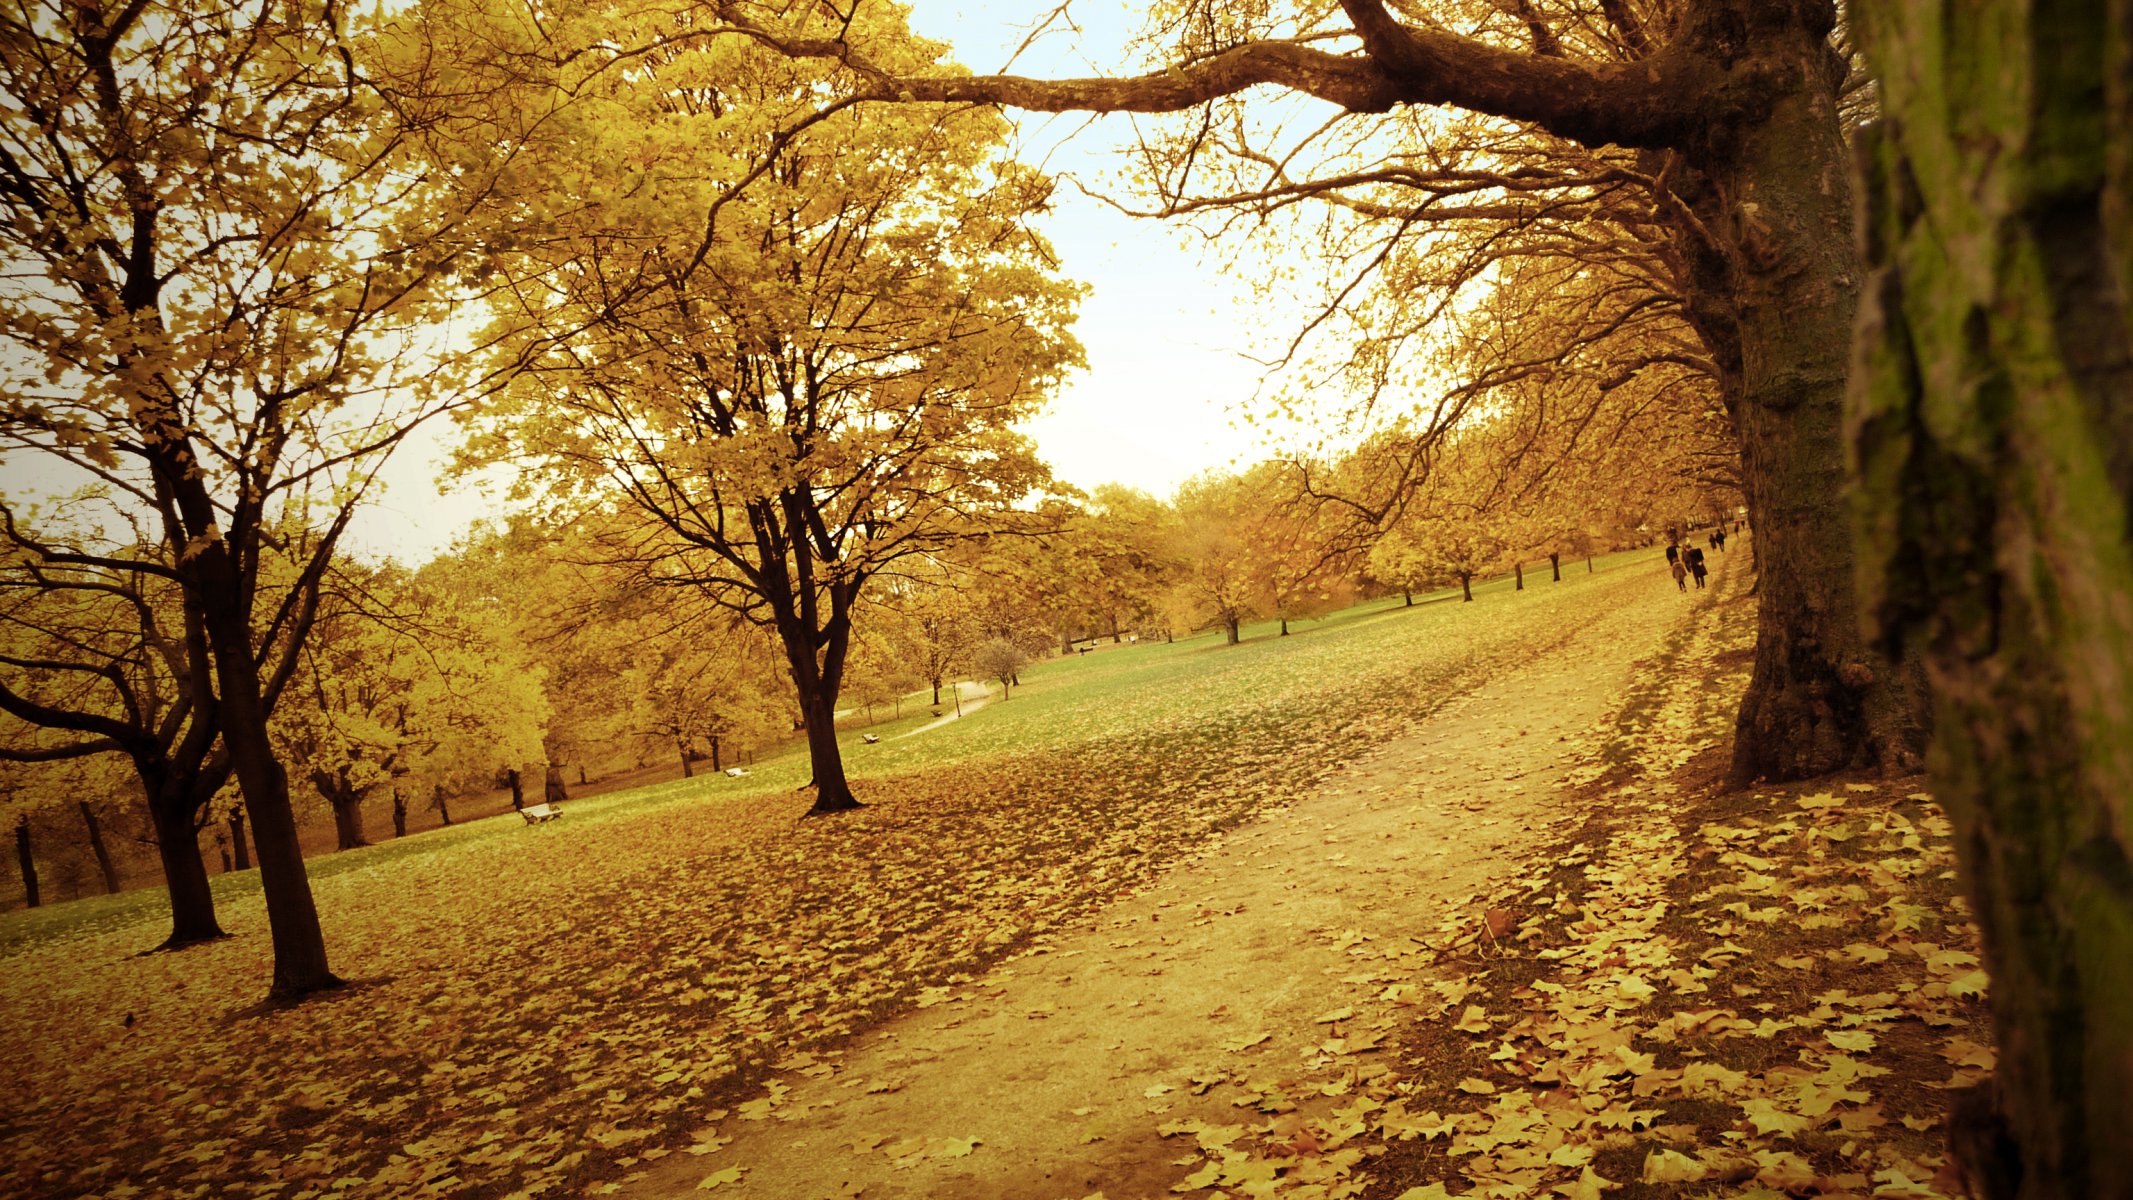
<point>750,297</point>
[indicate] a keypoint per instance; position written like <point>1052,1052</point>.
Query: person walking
<point>1696,566</point>
<point>1718,536</point>
<point>1681,570</point>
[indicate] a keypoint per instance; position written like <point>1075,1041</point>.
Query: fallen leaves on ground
<point>547,1008</point>
<point>1761,995</point>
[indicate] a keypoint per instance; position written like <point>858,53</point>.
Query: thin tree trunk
<point>582,781</point>
<point>96,846</point>
<point>1588,564</point>
<point>1284,626</point>
<point>1409,597</point>
<point>399,814</point>
<point>936,691</point>
<point>444,812</point>
<point>1518,572</point>
<point>192,904</point>
<point>1993,438</point>
<point>1466,586</point>
<point>1555,564</point>
<point>681,748</point>
<point>716,765</point>
<point>300,966</point>
<point>518,789</point>
<point>240,848</point>
<point>27,864</point>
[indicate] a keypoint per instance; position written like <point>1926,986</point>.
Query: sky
<point>1167,331</point>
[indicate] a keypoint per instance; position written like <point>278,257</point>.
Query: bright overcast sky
<point>1168,381</point>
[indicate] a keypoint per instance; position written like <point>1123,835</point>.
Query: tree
<point>397,679</point>
<point>1215,583</point>
<point>226,242</point>
<point>1731,109</point>
<point>820,387</point>
<point>101,658</point>
<point>1992,422</point>
<point>1001,659</point>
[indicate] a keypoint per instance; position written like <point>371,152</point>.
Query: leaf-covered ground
<point>1765,994</point>
<point>541,1009</point>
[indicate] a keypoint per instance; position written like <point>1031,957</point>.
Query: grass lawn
<point>540,1007</point>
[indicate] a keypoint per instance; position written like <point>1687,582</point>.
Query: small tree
<point>1001,659</point>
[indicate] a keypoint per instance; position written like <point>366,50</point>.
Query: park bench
<point>537,813</point>
<point>869,738</point>
<point>735,772</point>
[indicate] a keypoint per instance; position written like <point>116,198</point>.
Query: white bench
<point>735,773</point>
<point>537,813</point>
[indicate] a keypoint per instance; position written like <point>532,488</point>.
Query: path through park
<point>1234,976</point>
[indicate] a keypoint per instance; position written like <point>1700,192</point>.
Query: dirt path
<point>1049,1076</point>
<point>975,696</point>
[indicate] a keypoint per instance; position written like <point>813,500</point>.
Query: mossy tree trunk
<point>1992,428</point>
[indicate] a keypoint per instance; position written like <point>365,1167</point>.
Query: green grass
<point>1128,691</point>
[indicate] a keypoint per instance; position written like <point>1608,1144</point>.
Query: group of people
<point>1685,560</point>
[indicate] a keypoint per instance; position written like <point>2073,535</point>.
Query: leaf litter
<point>539,1015</point>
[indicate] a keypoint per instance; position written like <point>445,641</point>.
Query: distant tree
<point>1215,584</point>
<point>1000,659</point>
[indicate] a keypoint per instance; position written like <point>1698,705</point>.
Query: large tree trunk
<point>27,863</point>
<point>1779,202</point>
<point>399,814</point>
<point>517,786</point>
<point>1993,428</point>
<point>347,805</point>
<point>192,904</point>
<point>97,847</point>
<point>716,765</point>
<point>1229,628</point>
<point>833,793</point>
<point>681,749</point>
<point>552,789</point>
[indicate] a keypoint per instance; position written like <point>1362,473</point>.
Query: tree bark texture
<point>681,749</point>
<point>517,786</point>
<point>1555,564</point>
<point>716,764</point>
<point>552,789</point>
<point>1992,428</point>
<point>1781,284</point>
<point>1518,573</point>
<point>27,864</point>
<point>1230,630</point>
<point>97,847</point>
